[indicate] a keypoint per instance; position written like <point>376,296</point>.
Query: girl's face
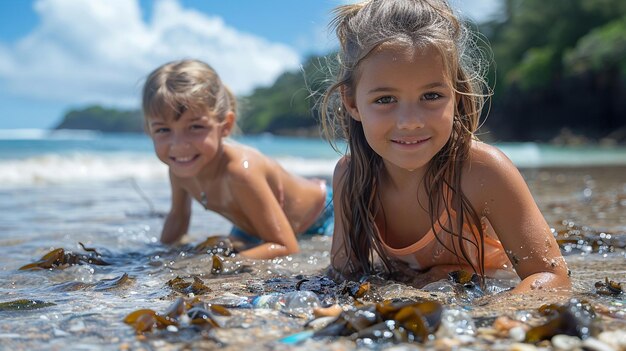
<point>405,103</point>
<point>189,144</point>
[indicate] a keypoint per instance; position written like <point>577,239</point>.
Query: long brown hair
<point>361,28</point>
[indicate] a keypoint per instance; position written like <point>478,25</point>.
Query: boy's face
<point>190,143</point>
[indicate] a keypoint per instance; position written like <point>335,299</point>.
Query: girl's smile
<point>404,103</point>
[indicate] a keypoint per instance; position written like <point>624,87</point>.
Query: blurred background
<point>558,69</point>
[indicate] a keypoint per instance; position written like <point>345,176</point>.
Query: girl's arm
<point>496,187</point>
<point>258,203</point>
<point>339,259</point>
<point>177,220</point>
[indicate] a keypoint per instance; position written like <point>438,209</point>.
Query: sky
<point>58,55</point>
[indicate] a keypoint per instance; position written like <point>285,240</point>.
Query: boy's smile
<point>190,143</point>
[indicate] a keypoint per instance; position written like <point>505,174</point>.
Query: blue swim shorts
<point>323,225</point>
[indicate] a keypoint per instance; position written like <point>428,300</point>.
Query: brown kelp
<point>390,320</point>
<point>59,259</point>
<point>609,287</point>
<point>216,245</point>
<point>181,313</point>
<point>23,305</point>
<point>575,238</point>
<point>575,318</point>
<point>196,287</point>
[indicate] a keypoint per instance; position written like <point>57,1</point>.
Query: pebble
<point>593,344</point>
<point>504,323</point>
<point>446,343</point>
<point>523,347</point>
<point>60,333</point>
<point>566,342</point>
<point>517,333</point>
<point>615,339</point>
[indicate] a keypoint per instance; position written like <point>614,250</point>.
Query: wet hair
<point>421,24</point>
<point>178,86</point>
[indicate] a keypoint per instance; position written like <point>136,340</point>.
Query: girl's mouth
<point>410,141</point>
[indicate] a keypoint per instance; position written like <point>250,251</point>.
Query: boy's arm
<point>499,191</point>
<point>259,204</point>
<point>177,221</point>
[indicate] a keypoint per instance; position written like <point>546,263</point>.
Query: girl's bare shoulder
<point>488,171</point>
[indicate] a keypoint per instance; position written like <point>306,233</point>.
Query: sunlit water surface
<point>117,218</point>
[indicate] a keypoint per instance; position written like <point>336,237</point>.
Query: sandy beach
<point>588,202</point>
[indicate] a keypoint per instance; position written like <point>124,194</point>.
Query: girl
<point>417,187</point>
<point>188,113</point>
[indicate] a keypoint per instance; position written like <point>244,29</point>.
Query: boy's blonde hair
<point>361,29</point>
<point>178,86</point>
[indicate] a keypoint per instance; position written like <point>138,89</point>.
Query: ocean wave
<point>42,134</point>
<point>49,169</point>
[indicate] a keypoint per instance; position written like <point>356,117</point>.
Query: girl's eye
<point>432,96</point>
<point>196,126</point>
<point>385,100</point>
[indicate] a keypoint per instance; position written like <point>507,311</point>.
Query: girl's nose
<point>410,117</point>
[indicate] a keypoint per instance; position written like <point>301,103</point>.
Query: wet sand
<point>579,201</point>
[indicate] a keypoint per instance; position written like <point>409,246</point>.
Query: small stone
<point>566,342</point>
<point>517,333</point>
<point>446,343</point>
<point>504,323</point>
<point>593,344</point>
<point>615,339</point>
<point>523,347</point>
<point>60,333</point>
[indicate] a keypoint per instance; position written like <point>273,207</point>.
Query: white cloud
<point>86,51</point>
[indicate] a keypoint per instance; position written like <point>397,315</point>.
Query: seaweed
<point>108,284</point>
<point>60,259</point>
<point>575,238</point>
<point>576,318</point>
<point>23,305</point>
<point>217,245</point>
<point>196,287</point>
<point>180,313</point>
<point>609,287</point>
<point>390,320</point>
<point>102,285</point>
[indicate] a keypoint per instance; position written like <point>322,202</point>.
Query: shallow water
<point>115,219</point>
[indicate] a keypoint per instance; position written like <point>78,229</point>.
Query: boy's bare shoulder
<point>245,164</point>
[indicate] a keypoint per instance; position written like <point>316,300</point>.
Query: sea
<point>84,189</point>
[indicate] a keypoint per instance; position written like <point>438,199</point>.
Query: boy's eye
<point>431,96</point>
<point>196,126</point>
<point>385,100</point>
<point>161,130</point>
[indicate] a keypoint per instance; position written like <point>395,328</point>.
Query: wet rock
<point>517,333</point>
<point>523,347</point>
<point>566,342</point>
<point>593,344</point>
<point>616,339</point>
<point>456,322</point>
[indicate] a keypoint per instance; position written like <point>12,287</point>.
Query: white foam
<point>101,167</point>
<point>41,134</point>
<point>56,169</point>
